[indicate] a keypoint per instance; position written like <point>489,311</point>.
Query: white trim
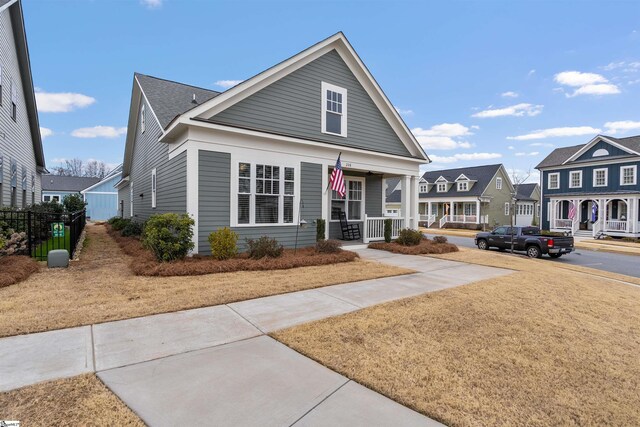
<point>425,186</point>
<point>154,187</point>
<point>99,192</point>
<point>51,196</point>
<point>7,5</point>
<point>193,193</point>
<point>323,107</point>
<point>326,215</point>
<point>507,208</point>
<point>499,180</point>
<point>131,197</point>
<point>603,162</point>
<point>438,187</point>
<point>557,175</point>
<point>347,179</point>
<point>606,177</point>
<point>466,183</point>
<point>107,178</point>
<point>595,140</point>
<point>571,179</point>
<point>635,174</point>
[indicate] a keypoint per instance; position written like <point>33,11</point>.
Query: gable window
<point>351,204</point>
<point>628,175</point>
<point>424,188</point>
<point>265,194</point>
<point>463,186</point>
<point>575,179</point>
<point>142,119</point>
<point>153,187</point>
<point>498,183</point>
<point>600,177</point>
<point>334,110</point>
<point>600,153</point>
<point>554,181</point>
<point>442,187</point>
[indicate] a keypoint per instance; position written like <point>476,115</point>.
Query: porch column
<point>477,211</point>
<point>325,199</point>
<point>414,208</point>
<point>405,198</point>
<point>429,210</point>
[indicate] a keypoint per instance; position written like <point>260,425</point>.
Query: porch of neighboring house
<point>359,216</point>
<point>612,215</point>
<point>453,212</point>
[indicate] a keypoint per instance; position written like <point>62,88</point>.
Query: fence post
<point>29,236</point>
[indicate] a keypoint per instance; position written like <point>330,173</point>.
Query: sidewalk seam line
<point>93,349</point>
<point>321,402</point>
<point>245,319</point>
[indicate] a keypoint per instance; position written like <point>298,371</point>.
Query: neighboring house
<point>393,197</point>
<point>597,180</point>
<point>258,157</point>
<point>21,154</point>
<point>527,205</point>
<point>466,197</point>
<point>55,187</point>
<point>102,197</point>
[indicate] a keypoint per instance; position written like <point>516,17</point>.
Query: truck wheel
<point>534,252</point>
<point>482,244</point>
<point>555,255</point>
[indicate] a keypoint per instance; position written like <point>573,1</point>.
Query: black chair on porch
<point>349,231</point>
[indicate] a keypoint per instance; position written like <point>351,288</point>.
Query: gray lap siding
<point>214,198</point>
<point>372,203</point>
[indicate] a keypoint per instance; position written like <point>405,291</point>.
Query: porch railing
<point>429,219</point>
<point>615,225</point>
<point>374,228</point>
<point>465,219</point>
<point>563,223</point>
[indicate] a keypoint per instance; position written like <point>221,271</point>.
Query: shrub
<point>328,246</point>
<point>264,247</point>
<point>14,244</point>
<point>168,236</point>
<point>409,237</point>
<point>631,239</point>
<point>388,225</point>
<point>440,239</point>
<point>73,203</point>
<point>224,243</point>
<point>120,223</point>
<point>320,229</point>
<point>132,228</point>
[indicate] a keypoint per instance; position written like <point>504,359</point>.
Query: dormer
<point>424,186</point>
<point>442,184</point>
<point>463,183</point>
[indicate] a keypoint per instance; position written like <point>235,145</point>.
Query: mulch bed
<point>425,247</point>
<point>145,264</point>
<point>16,268</point>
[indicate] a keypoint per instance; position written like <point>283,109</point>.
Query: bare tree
<point>76,167</point>
<point>517,178</point>
<point>96,169</point>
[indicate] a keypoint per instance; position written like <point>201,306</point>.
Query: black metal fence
<point>36,233</point>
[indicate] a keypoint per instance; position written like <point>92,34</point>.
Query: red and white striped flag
<point>337,179</point>
<point>572,210</point>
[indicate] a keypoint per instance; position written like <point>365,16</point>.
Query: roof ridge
<point>176,82</point>
<point>465,167</point>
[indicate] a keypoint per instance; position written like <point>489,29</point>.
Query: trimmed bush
<point>168,236</point>
<point>264,247</point>
<point>328,246</point>
<point>73,203</point>
<point>132,229</point>
<point>119,224</point>
<point>224,243</point>
<point>320,229</point>
<point>388,226</point>
<point>409,237</point>
<point>440,239</point>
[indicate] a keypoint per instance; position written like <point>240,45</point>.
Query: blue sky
<point>478,81</point>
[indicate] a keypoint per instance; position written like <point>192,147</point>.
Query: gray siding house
<point>21,154</point>
<point>258,157</point>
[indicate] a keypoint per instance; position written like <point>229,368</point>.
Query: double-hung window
<point>424,188</point>
<point>154,183</point>
<point>575,179</point>
<point>554,181</point>
<point>351,204</point>
<point>498,183</point>
<point>265,194</point>
<point>442,187</point>
<point>600,177</point>
<point>506,208</point>
<point>628,175</point>
<point>334,110</point>
<point>463,186</point>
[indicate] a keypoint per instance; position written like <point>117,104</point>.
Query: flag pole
<point>329,183</point>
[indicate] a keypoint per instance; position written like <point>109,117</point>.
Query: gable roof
<point>395,196</point>
<point>116,173</point>
<point>392,183</point>
<point>525,191</point>
<point>559,156</point>
<point>67,183</point>
<point>24,64</point>
<point>481,174</point>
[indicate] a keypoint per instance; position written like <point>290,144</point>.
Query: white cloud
<point>45,132</point>
<point>62,102</point>
<point>621,126</point>
<point>542,144</point>
<point>59,160</point>
<point>404,112</point>
<point>99,132</point>
<point>443,136</point>
<point>531,73</point>
<point>533,153</point>
<point>475,127</point>
<point>151,4</point>
<point>464,156</point>
<point>228,83</point>
<point>613,65</point>
<point>586,83</point>
<point>633,82</point>
<point>556,133</point>
<point>517,110</point>
<point>509,94</point>
<point>511,147</point>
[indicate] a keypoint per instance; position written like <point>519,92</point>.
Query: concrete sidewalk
<point>219,363</point>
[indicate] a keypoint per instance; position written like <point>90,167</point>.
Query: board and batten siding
<point>292,106</point>
<point>214,186</point>
<point>15,141</point>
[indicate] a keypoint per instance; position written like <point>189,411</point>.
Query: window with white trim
<point>334,110</point>
<point>554,181</point>
<point>463,186</point>
<point>498,183</point>
<point>506,208</point>
<point>154,183</point>
<point>628,175</point>
<point>442,187</point>
<point>600,177</point>
<point>142,119</point>
<point>352,203</point>
<point>575,179</point>
<point>424,188</point>
<point>265,194</point>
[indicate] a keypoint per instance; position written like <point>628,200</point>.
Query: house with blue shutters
<point>593,188</point>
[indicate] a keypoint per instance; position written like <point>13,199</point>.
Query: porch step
<point>583,233</point>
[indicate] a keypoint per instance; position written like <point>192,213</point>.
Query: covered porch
<point>442,212</point>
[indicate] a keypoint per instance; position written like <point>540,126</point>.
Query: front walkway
<point>214,365</point>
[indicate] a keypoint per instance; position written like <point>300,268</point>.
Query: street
<point>615,263</point>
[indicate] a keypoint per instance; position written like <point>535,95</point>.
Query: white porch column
<point>477,211</point>
<point>414,208</point>
<point>325,199</point>
<point>192,193</point>
<point>429,209</point>
<point>634,218</point>
<point>405,199</point>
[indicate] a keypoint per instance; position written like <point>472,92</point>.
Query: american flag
<point>337,179</point>
<point>572,210</point>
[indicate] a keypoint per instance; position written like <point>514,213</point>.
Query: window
<point>600,177</point>
<point>463,186</point>
<point>498,183</point>
<point>131,200</point>
<point>424,188</point>
<point>351,204</point>
<point>153,187</point>
<point>50,198</point>
<point>442,187</point>
<point>46,198</point>
<point>334,109</point>
<point>142,119</point>
<point>600,153</point>
<point>506,208</point>
<point>554,181</point>
<point>265,194</point>
<point>500,231</point>
<point>575,179</point>
<point>469,208</point>
<point>628,175</point>
<point>14,101</point>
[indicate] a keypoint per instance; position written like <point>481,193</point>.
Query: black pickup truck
<point>526,239</point>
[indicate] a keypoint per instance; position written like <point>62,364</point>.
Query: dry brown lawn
<point>100,287</point>
<point>16,268</point>
<point>77,401</point>
<point>543,346</point>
